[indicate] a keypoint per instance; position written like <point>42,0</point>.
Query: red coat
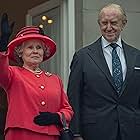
<point>29,93</point>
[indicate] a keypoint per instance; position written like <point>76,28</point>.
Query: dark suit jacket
<point>94,99</point>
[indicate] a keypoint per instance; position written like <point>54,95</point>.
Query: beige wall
<point>90,27</point>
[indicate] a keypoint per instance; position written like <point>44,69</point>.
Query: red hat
<point>31,32</point>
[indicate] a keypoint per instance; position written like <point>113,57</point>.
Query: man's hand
<point>6,31</point>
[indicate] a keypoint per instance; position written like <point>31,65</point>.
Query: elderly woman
<point>36,98</point>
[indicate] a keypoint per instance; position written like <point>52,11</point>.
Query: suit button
<point>115,120</point>
<point>43,103</point>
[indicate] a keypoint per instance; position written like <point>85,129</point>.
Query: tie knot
<point>114,45</point>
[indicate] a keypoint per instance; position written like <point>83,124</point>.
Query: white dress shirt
<point>107,51</point>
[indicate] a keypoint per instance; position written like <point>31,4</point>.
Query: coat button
<point>43,103</point>
<point>42,87</point>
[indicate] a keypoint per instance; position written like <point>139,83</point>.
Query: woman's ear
<point>19,55</point>
<point>20,52</point>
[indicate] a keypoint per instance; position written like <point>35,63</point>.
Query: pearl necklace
<point>36,71</point>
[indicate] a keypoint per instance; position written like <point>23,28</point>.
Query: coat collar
<point>96,53</point>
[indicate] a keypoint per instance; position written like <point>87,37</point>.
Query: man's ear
<point>124,22</point>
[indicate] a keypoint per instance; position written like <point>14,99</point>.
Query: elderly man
<point>104,83</point>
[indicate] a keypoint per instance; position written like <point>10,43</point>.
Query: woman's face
<point>32,52</point>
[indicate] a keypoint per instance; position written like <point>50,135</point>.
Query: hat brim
<point>49,44</point>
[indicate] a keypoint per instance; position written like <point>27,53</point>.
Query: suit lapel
<point>96,53</point>
<point>130,57</point>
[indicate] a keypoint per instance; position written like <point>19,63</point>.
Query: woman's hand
<point>47,118</point>
<point>6,31</point>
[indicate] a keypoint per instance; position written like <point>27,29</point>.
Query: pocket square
<point>137,68</point>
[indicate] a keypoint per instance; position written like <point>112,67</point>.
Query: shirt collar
<point>105,43</point>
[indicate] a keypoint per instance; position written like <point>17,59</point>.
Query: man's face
<point>111,24</point>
